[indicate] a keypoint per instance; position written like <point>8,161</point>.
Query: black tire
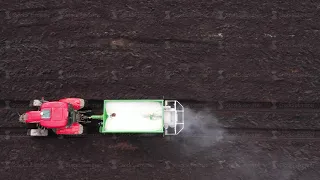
<point>86,105</point>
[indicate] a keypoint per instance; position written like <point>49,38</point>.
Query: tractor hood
<point>30,117</point>
<point>54,114</point>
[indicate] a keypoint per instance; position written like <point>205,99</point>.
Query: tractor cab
<point>57,114</point>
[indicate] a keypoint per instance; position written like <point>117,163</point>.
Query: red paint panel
<point>75,128</point>
<point>33,117</point>
<point>77,103</point>
<point>58,114</point>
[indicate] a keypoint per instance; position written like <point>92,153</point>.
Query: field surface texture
<point>247,73</point>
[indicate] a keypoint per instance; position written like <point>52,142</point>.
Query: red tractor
<point>63,117</point>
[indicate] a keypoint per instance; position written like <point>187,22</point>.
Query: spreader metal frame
<point>177,110</point>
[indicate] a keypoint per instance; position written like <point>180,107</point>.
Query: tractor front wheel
<point>36,103</point>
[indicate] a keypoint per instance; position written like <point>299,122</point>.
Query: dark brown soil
<point>182,49</point>
<point>102,158</point>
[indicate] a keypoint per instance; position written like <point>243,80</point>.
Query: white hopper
<point>134,116</point>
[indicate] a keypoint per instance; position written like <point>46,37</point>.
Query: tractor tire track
<point>236,106</point>
<point>263,134</point>
<point>223,114</point>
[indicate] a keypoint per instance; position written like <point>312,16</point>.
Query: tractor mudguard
<point>77,103</point>
<point>75,128</point>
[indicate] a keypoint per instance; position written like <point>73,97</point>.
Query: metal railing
<point>176,117</point>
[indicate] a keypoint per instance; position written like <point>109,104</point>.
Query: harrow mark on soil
<point>226,134</point>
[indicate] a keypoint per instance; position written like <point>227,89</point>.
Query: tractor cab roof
<point>54,114</point>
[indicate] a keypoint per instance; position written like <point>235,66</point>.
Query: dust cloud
<point>201,130</point>
<point>203,133</point>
